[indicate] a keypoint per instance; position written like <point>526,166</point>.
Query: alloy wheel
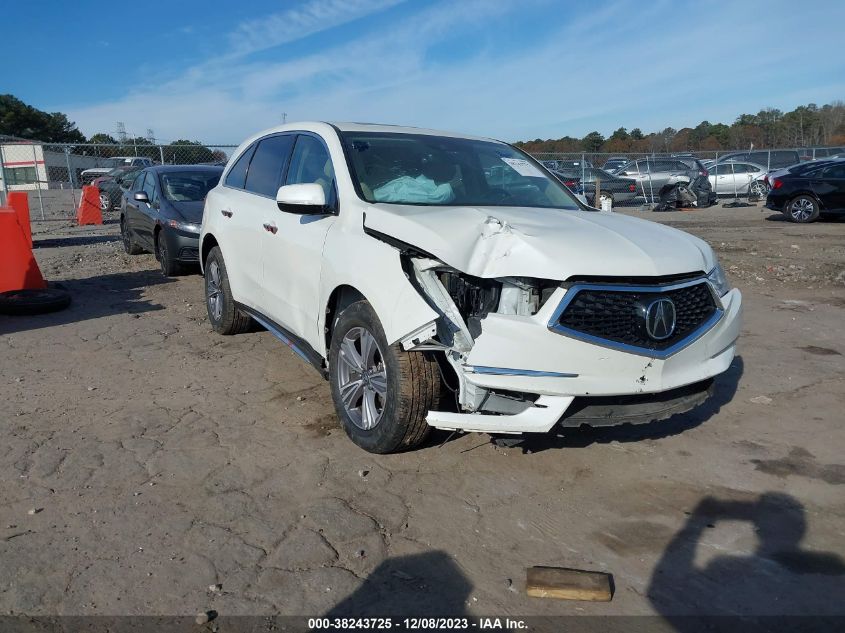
<point>105,202</point>
<point>362,378</point>
<point>214,291</point>
<point>801,209</point>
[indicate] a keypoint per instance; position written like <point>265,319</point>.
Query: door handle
<point>226,213</point>
<point>271,228</point>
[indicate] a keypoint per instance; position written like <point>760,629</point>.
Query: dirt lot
<point>146,460</point>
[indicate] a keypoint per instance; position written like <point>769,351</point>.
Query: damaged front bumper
<point>536,377</point>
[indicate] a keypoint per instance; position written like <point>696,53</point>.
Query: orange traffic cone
<point>19,201</point>
<point>18,268</point>
<point>89,206</point>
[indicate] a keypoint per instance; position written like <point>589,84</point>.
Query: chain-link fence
<point>53,174</point>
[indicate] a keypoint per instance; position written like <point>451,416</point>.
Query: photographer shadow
<point>780,578</point>
<point>419,585</point>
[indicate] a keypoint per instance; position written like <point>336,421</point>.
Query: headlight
<point>185,226</point>
<point>719,280</point>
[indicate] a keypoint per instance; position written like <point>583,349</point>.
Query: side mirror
<point>303,199</point>
<point>141,196</point>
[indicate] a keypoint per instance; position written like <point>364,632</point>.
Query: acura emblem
<point>660,319</point>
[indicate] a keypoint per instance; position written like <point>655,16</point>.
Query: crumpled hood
<point>190,210</point>
<point>542,243</point>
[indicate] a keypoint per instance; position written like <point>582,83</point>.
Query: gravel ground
<point>153,467</point>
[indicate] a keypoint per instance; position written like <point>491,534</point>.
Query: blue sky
<point>518,69</point>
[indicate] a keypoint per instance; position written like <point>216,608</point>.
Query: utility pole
<point>284,117</point>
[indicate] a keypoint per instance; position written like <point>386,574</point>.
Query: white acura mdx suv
<point>441,280</point>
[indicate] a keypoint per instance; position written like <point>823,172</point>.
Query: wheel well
<point>207,244</point>
<point>341,297</point>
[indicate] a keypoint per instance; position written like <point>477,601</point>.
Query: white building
<point>27,166</point>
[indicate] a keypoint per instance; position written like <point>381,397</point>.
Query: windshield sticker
<point>523,167</point>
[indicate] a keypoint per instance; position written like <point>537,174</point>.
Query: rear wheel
<point>225,316</point>
<point>802,209</point>
<point>105,201</point>
<point>758,189</point>
<point>381,392</point>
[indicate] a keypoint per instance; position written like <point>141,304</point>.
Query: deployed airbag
<point>409,190</point>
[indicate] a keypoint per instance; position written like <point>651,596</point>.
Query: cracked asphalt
<point>149,466</point>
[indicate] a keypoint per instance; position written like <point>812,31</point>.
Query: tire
<point>225,317</point>
<point>129,245</point>
<point>40,301</point>
<point>169,266</point>
<point>757,189</point>
<point>802,209</point>
<point>400,386</point>
<point>105,201</point>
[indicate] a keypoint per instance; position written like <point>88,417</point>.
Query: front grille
<point>618,314</point>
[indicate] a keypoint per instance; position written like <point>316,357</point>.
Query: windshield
<point>430,170</point>
<point>188,186</point>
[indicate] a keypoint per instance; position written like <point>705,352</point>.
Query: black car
<point>770,159</point>
<point>618,190</point>
<point>162,213</point>
<point>806,191</point>
<point>113,184</point>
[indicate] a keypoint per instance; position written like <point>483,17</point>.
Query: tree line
<point>24,121</point>
<point>805,126</point>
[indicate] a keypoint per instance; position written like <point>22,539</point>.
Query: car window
<point>189,185</point>
<point>237,174</point>
<point>739,168</point>
<point>310,163</point>
<point>138,185</point>
<point>150,188</point>
<point>430,170</point>
<point>265,169</point>
<point>834,171</point>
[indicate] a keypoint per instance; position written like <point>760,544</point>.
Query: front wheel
<point>381,392</point>
<point>802,209</point>
<point>129,245</point>
<point>169,266</point>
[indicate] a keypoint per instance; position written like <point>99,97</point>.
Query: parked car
<point>113,184</point>
<point>445,281</point>
<point>738,178</point>
<point>652,174</point>
<point>617,190</point>
<point>770,159</point>
<point>88,175</point>
<point>564,164</point>
<point>614,163</point>
<point>805,192</point>
<point>162,211</point>
<point>815,153</point>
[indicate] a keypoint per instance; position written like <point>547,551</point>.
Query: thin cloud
<point>596,71</point>
<point>296,24</point>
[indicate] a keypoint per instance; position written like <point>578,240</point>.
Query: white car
<point>440,280</point>
<point>738,178</point>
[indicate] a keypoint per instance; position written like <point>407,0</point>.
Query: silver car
<point>738,178</point>
<point>652,174</point>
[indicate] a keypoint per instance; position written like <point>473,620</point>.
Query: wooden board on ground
<point>568,584</point>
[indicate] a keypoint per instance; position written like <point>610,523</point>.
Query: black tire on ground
<point>130,247</point>
<point>225,317</point>
<point>412,379</point>
<point>169,266</point>
<point>40,301</point>
<point>802,209</point>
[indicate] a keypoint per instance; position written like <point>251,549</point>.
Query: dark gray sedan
<point>161,213</point>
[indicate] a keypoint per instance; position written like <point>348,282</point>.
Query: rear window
<point>237,174</point>
<point>265,170</point>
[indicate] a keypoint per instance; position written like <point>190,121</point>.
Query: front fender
<point>374,269</point>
